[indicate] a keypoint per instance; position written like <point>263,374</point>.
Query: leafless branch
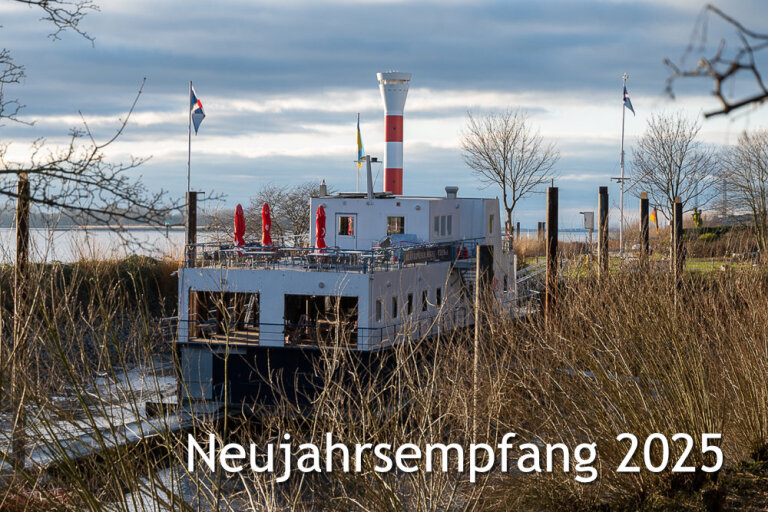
<point>10,73</point>
<point>64,15</point>
<point>723,66</point>
<point>77,179</point>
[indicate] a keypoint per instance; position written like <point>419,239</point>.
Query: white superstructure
<point>403,265</point>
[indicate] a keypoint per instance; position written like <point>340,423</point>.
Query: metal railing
<point>530,281</point>
<point>335,334</point>
<point>332,259</point>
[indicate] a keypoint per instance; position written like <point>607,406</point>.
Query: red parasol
<point>320,233</point>
<point>266,225</point>
<point>239,226</point>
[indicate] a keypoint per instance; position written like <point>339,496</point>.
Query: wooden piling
<point>551,252</point>
<point>483,288</point>
<point>19,366</point>
<point>677,239</point>
<point>602,232</point>
<point>644,260</point>
<point>191,238</point>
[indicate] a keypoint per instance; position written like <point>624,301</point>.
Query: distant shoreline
<point>109,227</point>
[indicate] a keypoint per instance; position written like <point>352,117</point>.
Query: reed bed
<point>632,352</point>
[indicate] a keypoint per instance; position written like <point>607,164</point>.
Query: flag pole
<point>621,181</point>
<point>357,185</point>
<point>189,135</point>
<point>189,157</point>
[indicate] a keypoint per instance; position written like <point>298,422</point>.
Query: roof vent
<point>450,192</point>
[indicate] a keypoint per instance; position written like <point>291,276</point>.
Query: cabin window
<point>215,314</point>
<point>442,225</point>
<point>424,300</point>
<point>410,303</point>
<point>346,225</point>
<point>394,307</point>
<point>490,224</point>
<point>395,225</point>
<point>379,307</point>
<point>312,318</point>
<point>438,297</point>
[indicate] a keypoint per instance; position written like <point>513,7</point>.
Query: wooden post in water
<point>677,239</point>
<point>483,287</point>
<point>551,251</point>
<point>19,366</point>
<point>191,238</point>
<point>602,232</point>
<point>644,260</point>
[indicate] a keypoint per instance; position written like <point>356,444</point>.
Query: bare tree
<point>747,164</point>
<point>75,179</point>
<point>670,162</point>
<point>503,149</point>
<point>289,206</point>
<point>275,196</point>
<point>725,63</point>
<point>297,209</point>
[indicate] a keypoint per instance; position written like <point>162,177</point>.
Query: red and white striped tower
<point>394,90</point>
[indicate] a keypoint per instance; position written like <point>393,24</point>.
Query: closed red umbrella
<point>320,232</point>
<point>266,225</point>
<point>239,226</point>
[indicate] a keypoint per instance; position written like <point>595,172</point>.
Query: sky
<point>282,83</point>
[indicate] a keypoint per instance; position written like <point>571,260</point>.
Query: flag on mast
<point>196,108</point>
<point>627,102</point>
<point>655,220</point>
<point>360,150</point>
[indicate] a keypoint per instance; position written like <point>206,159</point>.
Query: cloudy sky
<point>282,83</point>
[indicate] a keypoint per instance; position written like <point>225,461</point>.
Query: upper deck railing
<point>255,256</point>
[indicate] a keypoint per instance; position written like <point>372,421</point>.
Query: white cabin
<point>395,267</point>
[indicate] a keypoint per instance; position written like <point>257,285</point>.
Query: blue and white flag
<point>196,108</point>
<point>628,103</point>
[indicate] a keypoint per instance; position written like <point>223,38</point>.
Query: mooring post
<point>191,238</point>
<point>602,232</point>
<point>19,367</point>
<point>549,302</point>
<point>677,239</point>
<point>644,260</point>
<point>483,287</point>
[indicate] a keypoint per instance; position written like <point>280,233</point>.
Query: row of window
<point>442,225</point>
<point>346,225</point>
<point>409,304</point>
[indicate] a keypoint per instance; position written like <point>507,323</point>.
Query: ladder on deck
<point>465,270</point>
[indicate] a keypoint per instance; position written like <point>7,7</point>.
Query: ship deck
<point>255,256</point>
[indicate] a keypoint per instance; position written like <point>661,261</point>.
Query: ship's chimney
<point>394,90</point>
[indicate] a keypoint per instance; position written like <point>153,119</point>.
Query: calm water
<point>72,244</point>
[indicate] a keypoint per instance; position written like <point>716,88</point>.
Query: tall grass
<point>629,353</point>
